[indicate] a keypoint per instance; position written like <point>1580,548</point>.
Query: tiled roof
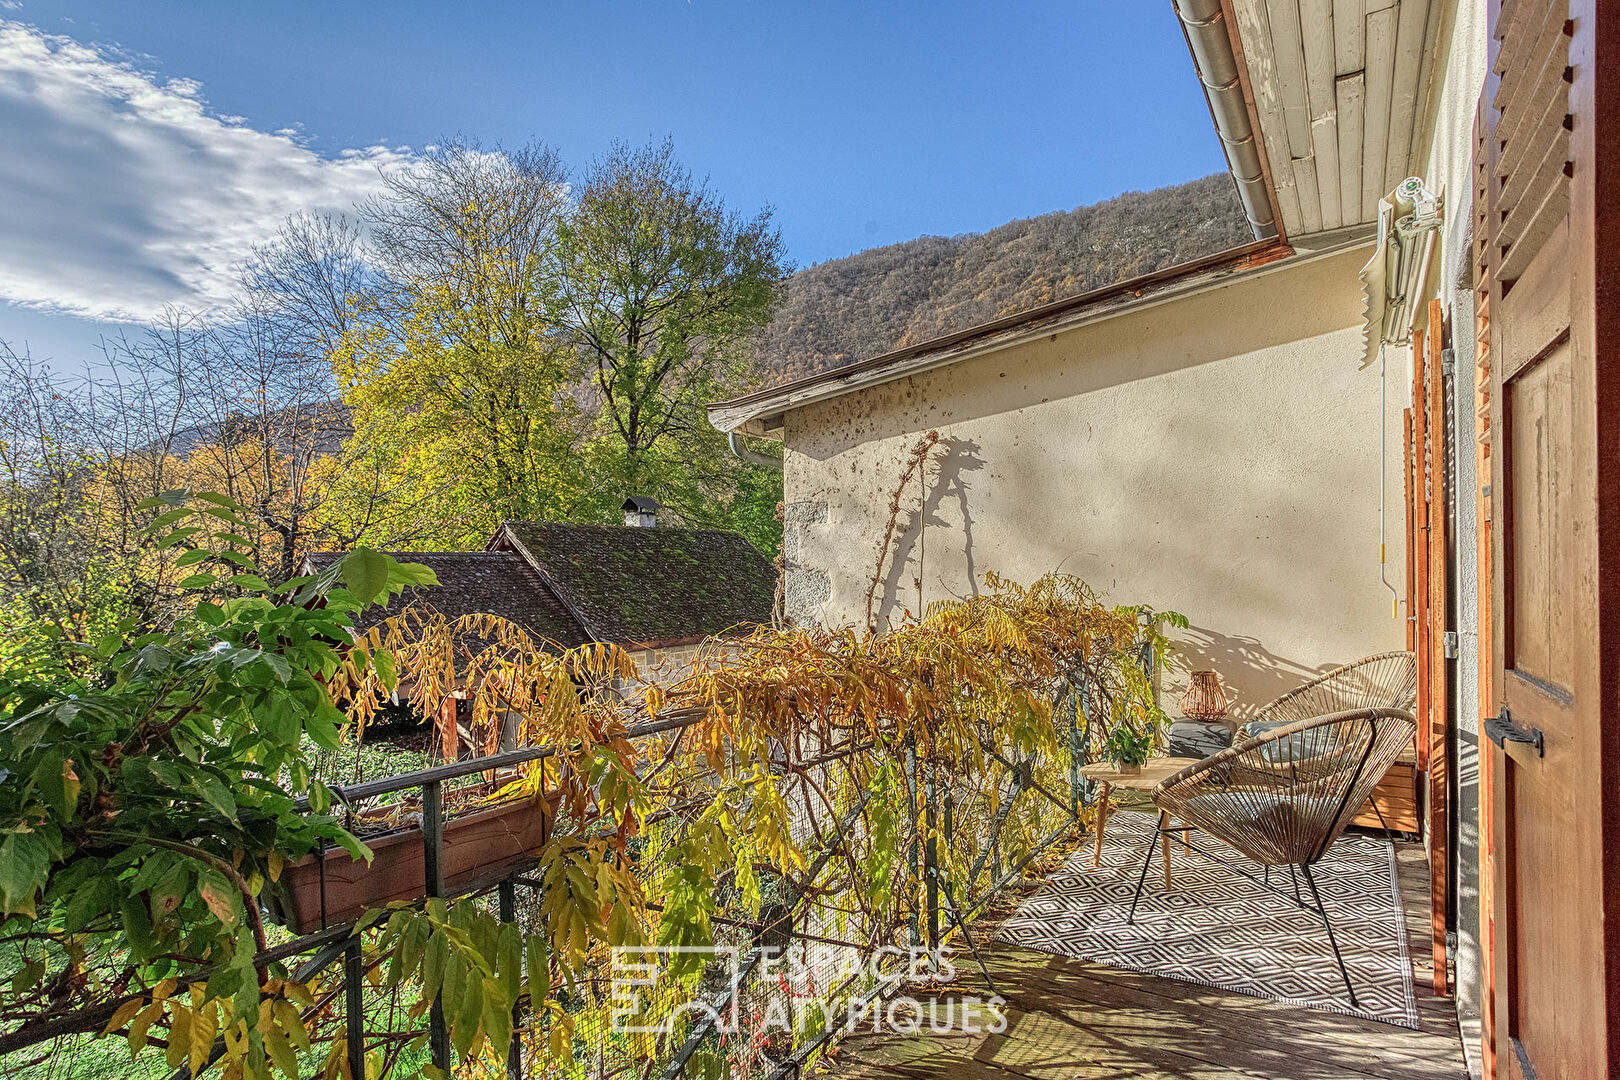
<point>483,582</point>
<point>652,586</point>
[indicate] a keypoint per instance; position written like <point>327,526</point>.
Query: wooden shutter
<point>1437,721</point>
<point>1531,130</point>
<point>1426,606</point>
<point>1544,944</point>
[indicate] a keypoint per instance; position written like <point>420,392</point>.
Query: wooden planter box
<point>1396,797</point>
<point>475,846</point>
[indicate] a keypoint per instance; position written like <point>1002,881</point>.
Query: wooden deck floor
<point>1073,1020</point>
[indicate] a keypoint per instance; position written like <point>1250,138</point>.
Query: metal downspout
<point>750,456</point>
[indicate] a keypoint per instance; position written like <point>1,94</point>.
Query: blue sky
<point>152,143</point>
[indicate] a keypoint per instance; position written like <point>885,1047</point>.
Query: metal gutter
<point>1203,22</point>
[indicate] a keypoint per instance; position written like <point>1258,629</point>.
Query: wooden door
<point>1555,580</point>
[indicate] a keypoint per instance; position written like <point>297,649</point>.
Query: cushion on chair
<point>1298,747</point>
<point>1198,739</point>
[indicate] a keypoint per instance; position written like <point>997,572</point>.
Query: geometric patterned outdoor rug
<point>1216,928</point>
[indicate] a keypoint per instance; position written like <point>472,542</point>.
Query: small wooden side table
<point>1107,774</point>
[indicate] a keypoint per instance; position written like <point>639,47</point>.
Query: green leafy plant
<point>157,786</point>
<point>147,802</point>
<point>1129,747</point>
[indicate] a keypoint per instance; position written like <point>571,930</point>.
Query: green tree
<point>660,287</point>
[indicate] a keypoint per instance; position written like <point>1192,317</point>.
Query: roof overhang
<point>1339,92</point>
<point>762,412</point>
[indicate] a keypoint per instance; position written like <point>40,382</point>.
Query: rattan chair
<point>1283,797</point>
<point>1385,680</point>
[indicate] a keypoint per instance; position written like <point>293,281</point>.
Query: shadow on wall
<point>1251,674</point>
<point>906,586</point>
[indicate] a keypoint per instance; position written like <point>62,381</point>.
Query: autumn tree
<point>242,403</point>
<point>455,376</point>
<point>530,353</point>
<point>310,280</point>
<point>57,577</point>
<point>469,417</point>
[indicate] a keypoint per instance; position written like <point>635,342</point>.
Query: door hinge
<point>1451,647</point>
<point>1501,730</point>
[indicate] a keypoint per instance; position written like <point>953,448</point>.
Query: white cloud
<point>120,192</point>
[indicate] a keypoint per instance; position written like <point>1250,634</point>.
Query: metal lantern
<point>1204,699</point>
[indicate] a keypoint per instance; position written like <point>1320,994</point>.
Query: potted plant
<point>1128,749</point>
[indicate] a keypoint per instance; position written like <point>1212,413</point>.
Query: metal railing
<point>933,801</point>
<point>431,783</point>
<point>938,804</point>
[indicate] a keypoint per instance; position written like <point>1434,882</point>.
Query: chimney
<point>640,512</point>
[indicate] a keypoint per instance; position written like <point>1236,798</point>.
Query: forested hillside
<point>846,309</point>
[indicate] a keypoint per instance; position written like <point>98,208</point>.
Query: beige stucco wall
<point>665,667</point>
<point>1217,455</point>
